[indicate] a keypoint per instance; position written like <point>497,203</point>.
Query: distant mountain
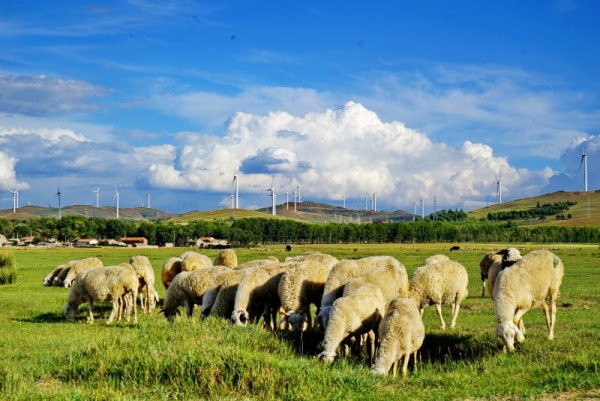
<point>108,212</point>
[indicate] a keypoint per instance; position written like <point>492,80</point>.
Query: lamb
<point>401,333</point>
<point>532,281</point>
<point>344,271</point>
<point>227,258</point>
<point>170,269</point>
<point>258,289</point>
<point>187,289</point>
<point>148,294</point>
<point>49,279</point>
<point>116,284</point>
<point>443,282</point>
<point>303,285</point>
<point>492,263</point>
<point>78,266</point>
<point>354,314</point>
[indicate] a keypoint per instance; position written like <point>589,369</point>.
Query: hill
<point>222,214</point>
<point>108,212</point>
<point>584,212</point>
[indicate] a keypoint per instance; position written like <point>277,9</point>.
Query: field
<point>43,357</point>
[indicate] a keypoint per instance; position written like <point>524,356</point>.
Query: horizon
<point>410,101</point>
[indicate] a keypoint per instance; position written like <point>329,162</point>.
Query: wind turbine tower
<point>585,170</point>
<point>273,196</point>
<point>15,199</point>
<point>422,209</point>
<point>287,200</point>
<point>415,210</point>
<point>58,193</point>
<point>374,201</point>
<point>116,197</point>
<point>97,192</point>
<point>236,204</point>
<point>148,200</point>
<point>499,187</point>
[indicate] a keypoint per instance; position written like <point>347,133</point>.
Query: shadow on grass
<point>100,312</point>
<point>306,343</point>
<point>446,347</point>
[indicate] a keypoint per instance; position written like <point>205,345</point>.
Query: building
<point>85,242</point>
<point>135,241</point>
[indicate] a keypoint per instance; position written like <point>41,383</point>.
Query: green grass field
<point>43,357</point>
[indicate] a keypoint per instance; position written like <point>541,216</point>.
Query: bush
<point>8,268</point>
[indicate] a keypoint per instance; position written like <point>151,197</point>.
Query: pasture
<point>43,357</point>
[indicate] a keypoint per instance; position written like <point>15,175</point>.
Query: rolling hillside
<point>586,211</point>
<point>108,212</point>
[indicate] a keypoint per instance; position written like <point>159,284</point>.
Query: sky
<point>406,99</point>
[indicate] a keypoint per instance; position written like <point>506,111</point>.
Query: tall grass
<point>8,268</point>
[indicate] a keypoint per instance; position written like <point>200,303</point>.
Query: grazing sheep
<point>455,248</point>
<point>270,260</point>
<point>303,285</point>
<point>170,269</point>
<point>116,284</point>
<point>225,298</point>
<point>533,281</point>
<point>354,314</point>
<point>288,248</point>
<point>227,258</point>
<point>210,295</point>
<point>187,290</point>
<point>440,283</point>
<point>492,263</point>
<point>343,272</point>
<point>78,266</point>
<point>401,333</point>
<point>147,291</point>
<point>191,261</point>
<point>257,290</point>
<point>49,279</point>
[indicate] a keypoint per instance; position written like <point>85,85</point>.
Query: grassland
<point>43,357</point>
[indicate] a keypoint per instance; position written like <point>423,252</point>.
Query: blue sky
<point>408,99</point>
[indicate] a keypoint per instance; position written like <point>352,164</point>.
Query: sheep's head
<point>70,312</point>
<point>240,317</point>
<point>170,314</point>
<point>509,332</point>
<point>378,371</point>
<point>298,320</point>
<point>327,356</point>
<point>510,256</point>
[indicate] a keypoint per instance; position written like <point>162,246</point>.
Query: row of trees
<point>539,212</point>
<point>248,232</point>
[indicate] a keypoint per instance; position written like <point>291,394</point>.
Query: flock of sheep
<point>363,305</point>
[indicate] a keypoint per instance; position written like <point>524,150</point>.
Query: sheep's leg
<point>134,296</point>
<point>518,320</point>
<point>438,308</point>
<point>483,289</point>
<point>114,311</point>
<point>405,364</point>
<point>189,307</point>
<point>395,367</point>
<point>415,361</point>
<point>309,325</point>
<point>90,315</point>
<point>455,309</point>
<point>553,296</point>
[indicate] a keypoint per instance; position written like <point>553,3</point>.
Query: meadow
<point>43,357</point>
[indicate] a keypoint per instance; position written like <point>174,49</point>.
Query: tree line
<point>254,231</point>
<point>539,212</point>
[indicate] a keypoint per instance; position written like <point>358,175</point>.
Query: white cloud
<point>8,179</point>
<point>349,152</point>
<point>572,178</point>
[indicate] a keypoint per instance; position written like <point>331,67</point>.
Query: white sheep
<point>147,291</point>
<point>343,272</point>
<point>78,266</point>
<point>257,290</point>
<point>225,298</point>
<point>270,260</point>
<point>443,282</point>
<point>401,333</point>
<point>354,314</point>
<point>116,284</point>
<point>533,281</point>
<point>227,258</point>
<point>210,295</point>
<point>49,279</point>
<point>302,285</point>
<point>191,261</point>
<point>492,263</point>
<point>170,269</point>
<point>187,290</point>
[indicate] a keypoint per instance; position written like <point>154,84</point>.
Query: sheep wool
<point>532,281</point>
<point>170,269</point>
<point>49,279</point>
<point>210,295</point>
<point>147,291</point>
<point>225,299</point>
<point>227,258</point>
<point>78,266</point>
<point>354,314</point>
<point>440,283</point>
<point>401,335</point>
<point>116,284</point>
<point>191,261</point>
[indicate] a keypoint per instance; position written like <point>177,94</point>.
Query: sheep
<point>148,294</point>
<point>344,271</point>
<point>444,282</point>
<point>492,263</point>
<point>533,281</point>
<point>401,333</point>
<point>191,261</point>
<point>210,295</point>
<point>170,269</point>
<point>78,266</point>
<point>225,297</point>
<point>49,279</point>
<point>270,260</point>
<point>303,285</point>
<point>227,258</point>
<point>354,314</point>
<point>116,284</point>
<point>187,289</point>
<point>258,288</point>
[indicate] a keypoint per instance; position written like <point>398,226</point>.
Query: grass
<point>8,268</point>
<point>43,357</point>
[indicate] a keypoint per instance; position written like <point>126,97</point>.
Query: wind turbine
<point>232,200</point>
<point>422,210</point>
<point>148,200</point>
<point>415,210</point>
<point>499,186</point>
<point>585,171</point>
<point>97,192</point>
<point>374,201</point>
<point>298,189</point>
<point>116,197</point>
<point>58,193</point>
<point>273,196</point>
<point>15,199</point>
<point>295,208</point>
<point>235,182</point>
<point>287,200</point>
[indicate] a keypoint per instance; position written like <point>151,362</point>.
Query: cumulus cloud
<point>40,95</point>
<point>572,178</point>
<point>8,179</point>
<point>348,152</point>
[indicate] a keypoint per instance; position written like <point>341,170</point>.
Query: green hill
<point>108,212</point>
<point>585,211</point>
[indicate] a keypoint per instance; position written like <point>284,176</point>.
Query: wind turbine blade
<point>581,161</point>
